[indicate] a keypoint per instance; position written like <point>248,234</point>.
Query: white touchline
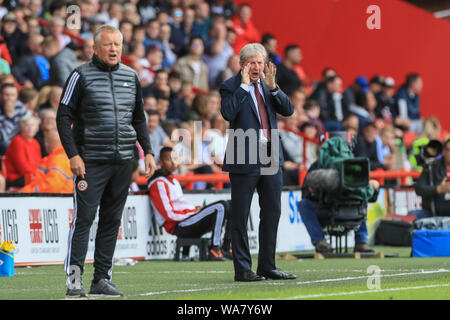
<point>367,291</point>
<point>174,291</point>
<point>366,276</point>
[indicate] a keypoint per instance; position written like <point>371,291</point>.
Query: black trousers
<point>105,185</point>
<point>211,218</point>
<point>269,191</point>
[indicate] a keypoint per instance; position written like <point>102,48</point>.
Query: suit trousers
<point>269,191</point>
<point>106,185</point>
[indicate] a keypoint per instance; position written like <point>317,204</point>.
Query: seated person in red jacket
<point>181,218</point>
<point>23,154</point>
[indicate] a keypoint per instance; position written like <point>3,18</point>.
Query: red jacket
<point>22,158</point>
<point>168,201</point>
<point>244,34</point>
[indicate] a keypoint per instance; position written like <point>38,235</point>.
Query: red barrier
<point>220,178</point>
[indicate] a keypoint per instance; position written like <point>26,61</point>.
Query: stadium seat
<point>201,243</point>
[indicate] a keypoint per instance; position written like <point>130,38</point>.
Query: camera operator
<point>313,212</point>
<point>433,186</point>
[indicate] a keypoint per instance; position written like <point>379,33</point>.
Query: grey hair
<point>252,50</point>
<point>105,28</point>
<point>28,117</point>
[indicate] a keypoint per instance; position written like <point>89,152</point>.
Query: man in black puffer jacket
<point>102,99</point>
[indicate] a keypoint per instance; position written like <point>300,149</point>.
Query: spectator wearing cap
<point>386,107</point>
<point>246,31</point>
<point>408,103</point>
<point>360,84</point>
<point>287,78</point>
<point>15,39</point>
<point>191,67</point>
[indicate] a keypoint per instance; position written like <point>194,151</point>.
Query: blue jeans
<point>311,215</point>
<point>420,213</point>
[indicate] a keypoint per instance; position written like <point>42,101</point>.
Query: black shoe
<point>363,247</point>
<point>104,288</point>
<point>277,275</point>
<point>323,247</point>
<point>248,276</point>
<point>76,293</point>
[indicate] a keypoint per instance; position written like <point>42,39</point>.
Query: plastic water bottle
<point>124,262</point>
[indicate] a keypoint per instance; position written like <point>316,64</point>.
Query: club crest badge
<point>82,185</point>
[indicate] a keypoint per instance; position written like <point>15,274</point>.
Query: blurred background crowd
<point>182,50</point>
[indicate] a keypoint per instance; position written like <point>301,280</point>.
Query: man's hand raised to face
<point>246,74</point>
<point>270,76</point>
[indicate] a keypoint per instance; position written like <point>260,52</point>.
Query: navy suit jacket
<point>238,108</point>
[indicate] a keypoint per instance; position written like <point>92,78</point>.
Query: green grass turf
<point>403,277</point>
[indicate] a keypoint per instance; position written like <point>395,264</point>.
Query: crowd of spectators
<point>182,50</point>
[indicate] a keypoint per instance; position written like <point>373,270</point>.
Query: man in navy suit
<point>250,101</point>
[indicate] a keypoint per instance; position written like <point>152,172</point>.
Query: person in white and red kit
<point>179,217</point>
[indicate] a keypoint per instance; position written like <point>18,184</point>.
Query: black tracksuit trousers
<point>107,185</point>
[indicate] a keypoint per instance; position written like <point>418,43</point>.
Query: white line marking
<point>367,291</point>
<point>381,275</point>
<point>176,291</point>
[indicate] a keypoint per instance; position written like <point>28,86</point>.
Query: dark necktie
<point>262,112</point>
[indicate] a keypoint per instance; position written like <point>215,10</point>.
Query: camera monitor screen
<point>355,173</point>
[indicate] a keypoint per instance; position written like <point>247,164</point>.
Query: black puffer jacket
<point>105,106</point>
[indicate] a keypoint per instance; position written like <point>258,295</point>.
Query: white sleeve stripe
<point>167,204</point>
<point>70,87</point>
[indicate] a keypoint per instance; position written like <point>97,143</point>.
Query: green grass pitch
<point>401,277</point>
